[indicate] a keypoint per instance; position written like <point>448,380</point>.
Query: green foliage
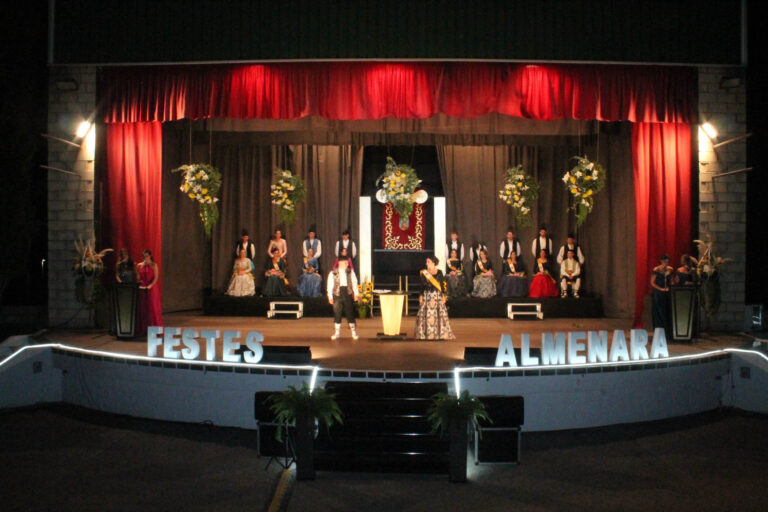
<point>399,182</point>
<point>447,407</point>
<point>294,402</point>
<point>202,184</point>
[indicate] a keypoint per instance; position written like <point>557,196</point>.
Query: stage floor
<point>368,353</point>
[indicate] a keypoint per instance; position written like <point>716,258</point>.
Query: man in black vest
<point>541,242</point>
<point>509,244</point>
<point>570,245</point>
<point>342,293</point>
<point>245,243</point>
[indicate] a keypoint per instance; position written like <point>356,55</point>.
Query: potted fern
<point>457,416</point>
<point>305,409</point>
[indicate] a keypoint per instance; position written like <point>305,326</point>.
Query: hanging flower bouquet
<point>87,269</point>
<point>584,181</point>
<point>287,193</point>
<point>398,186</point>
<point>202,183</point>
<point>520,191</point>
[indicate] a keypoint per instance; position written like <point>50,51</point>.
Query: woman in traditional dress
<point>149,312</point>
<point>343,254</point>
<point>685,275</point>
<point>455,278</point>
<point>278,242</point>
<point>276,283</point>
<point>661,279</point>
<point>484,281</point>
<point>241,284</point>
<point>126,270</point>
<point>513,282</point>
<point>310,282</point>
<point>543,284</point>
<point>432,318</point>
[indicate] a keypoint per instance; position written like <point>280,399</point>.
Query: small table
<point>512,313</point>
<point>275,308</point>
<point>391,314</point>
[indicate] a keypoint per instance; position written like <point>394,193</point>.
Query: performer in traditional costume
<point>541,243</point>
<point>432,318</point>
<point>513,281</point>
<point>456,244</point>
<point>342,293</point>
<point>310,282</point>
<point>570,275</point>
<point>570,245</point>
<point>509,245</point>
<point>474,255</point>
<point>346,242</point>
<point>661,279</point>
<point>276,283</point>
<point>245,243</point>
<point>278,242</point>
<point>241,284</point>
<point>312,242</point>
<point>543,285</point>
<point>484,281</point>
<point>457,284</point>
<point>149,311</point>
<point>343,256</point>
<point>685,274</point>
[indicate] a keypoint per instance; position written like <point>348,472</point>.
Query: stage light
<point>83,128</point>
<point>709,130</point>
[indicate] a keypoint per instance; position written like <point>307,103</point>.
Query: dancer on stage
<point>149,312</point>
<point>278,242</point>
<point>241,284</point>
<point>276,283</point>
<point>455,243</point>
<point>543,285</point>
<point>509,245</point>
<point>484,281</point>
<point>457,283</point>
<point>570,275</point>
<point>685,274</point>
<point>245,243</point>
<point>432,318</point>
<point>541,243</point>
<point>661,279</point>
<point>126,271</point>
<point>312,242</point>
<point>310,282</point>
<point>342,293</point>
<point>513,281</point>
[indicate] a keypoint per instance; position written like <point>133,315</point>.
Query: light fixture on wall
<point>83,128</point>
<point>709,130</point>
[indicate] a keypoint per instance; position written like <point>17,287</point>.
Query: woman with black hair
<point>432,318</point>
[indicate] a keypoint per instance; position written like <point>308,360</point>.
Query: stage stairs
<point>392,283</point>
<point>385,429</point>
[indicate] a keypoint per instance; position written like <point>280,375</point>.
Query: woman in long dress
<point>149,312</point>
<point>455,278</point>
<point>661,279</point>
<point>484,281</point>
<point>543,284</point>
<point>432,318</point>
<point>310,282</point>
<point>241,284</point>
<point>513,282</point>
<point>276,283</point>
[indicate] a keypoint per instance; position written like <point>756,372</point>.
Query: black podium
<point>683,304</point>
<point>124,299</point>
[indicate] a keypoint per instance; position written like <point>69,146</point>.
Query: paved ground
<point>67,458</point>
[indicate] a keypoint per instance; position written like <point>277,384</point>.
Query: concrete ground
<point>66,458</point>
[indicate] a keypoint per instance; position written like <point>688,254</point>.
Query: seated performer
<point>474,255</point>
<point>245,243</point>
<point>455,278</point>
<point>432,318</point>
<point>276,283</point>
<point>543,285</point>
<point>241,284</point>
<point>513,281</point>
<point>277,241</point>
<point>685,274</point>
<point>509,245</point>
<point>312,242</point>
<point>570,275</point>
<point>455,243</point>
<point>570,245</point>
<point>310,282</point>
<point>484,281</point>
<point>541,243</point>
<point>661,279</point>
<point>343,256</point>
<point>342,293</point>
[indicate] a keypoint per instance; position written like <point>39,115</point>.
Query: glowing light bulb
<point>82,130</point>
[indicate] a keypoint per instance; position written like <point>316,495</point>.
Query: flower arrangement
<point>364,298</point>
<point>520,191</point>
<point>708,272</point>
<point>287,192</point>
<point>202,184</point>
<point>398,186</point>
<point>583,181</point>
<point>88,266</point>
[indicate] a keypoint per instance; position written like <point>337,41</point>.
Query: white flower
<point>525,209</point>
<point>508,186</point>
<point>565,177</point>
<point>591,165</point>
<point>578,174</point>
<point>286,174</point>
<point>585,202</point>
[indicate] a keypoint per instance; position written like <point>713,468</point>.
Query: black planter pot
<point>305,447</point>
<point>457,433</point>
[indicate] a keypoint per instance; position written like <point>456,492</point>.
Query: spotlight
<point>709,130</point>
<point>82,129</point>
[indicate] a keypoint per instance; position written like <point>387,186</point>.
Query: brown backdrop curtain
<point>473,175</point>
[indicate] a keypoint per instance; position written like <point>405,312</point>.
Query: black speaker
<point>483,356</point>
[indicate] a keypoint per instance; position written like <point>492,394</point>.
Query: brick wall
<point>70,197</point>
<point>722,200</point>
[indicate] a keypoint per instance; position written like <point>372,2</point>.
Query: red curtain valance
<point>375,90</point>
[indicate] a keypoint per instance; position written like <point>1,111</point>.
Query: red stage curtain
<point>661,161</point>
<point>134,161</point>
<point>375,90</point>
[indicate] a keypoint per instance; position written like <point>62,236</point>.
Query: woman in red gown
<point>543,285</point>
<point>149,311</point>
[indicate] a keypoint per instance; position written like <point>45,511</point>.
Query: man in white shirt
<point>509,245</point>
<point>245,243</point>
<point>570,245</point>
<point>342,293</point>
<point>570,275</point>
<point>348,243</point>
<point>454,244</point>
<point>312,242</point>
<point>541,242</point>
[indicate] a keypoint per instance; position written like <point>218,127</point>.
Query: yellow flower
<point>204,191</point>
<point>207,198</point>
<point>519,183</point>
<point>589,193</point>
<point>574,191</point>
<point>191,195</point>
<point>587,177</point>
<point>573,179</point>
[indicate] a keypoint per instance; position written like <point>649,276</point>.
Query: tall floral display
<point>583,181</point>
<point>398,187</point>
<point>202,184</point>
<point>287,192</point>
<point>88,269</point>
<point>519,192</point>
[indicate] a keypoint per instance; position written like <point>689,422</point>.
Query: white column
<point>440,240</point>
<point>364,247</point>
